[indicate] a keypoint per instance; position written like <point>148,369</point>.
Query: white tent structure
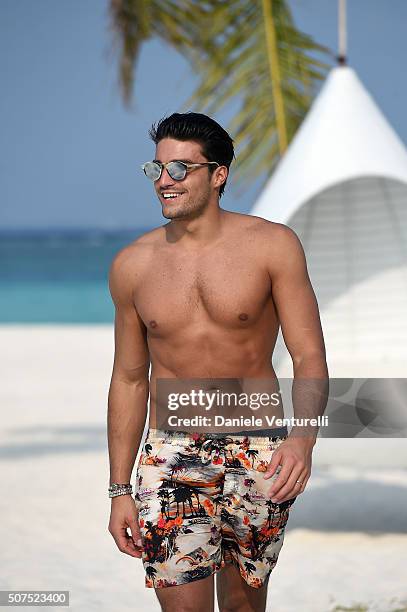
<point>342,187</point>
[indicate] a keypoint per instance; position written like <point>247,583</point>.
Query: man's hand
<point>295,457</point>
<point>124,515</point>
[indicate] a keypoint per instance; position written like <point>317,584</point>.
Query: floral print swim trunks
<point>203,502</point>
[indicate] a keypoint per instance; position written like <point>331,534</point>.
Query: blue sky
<point>71,152</point>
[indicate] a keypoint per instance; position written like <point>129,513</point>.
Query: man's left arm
<point>297,309</point>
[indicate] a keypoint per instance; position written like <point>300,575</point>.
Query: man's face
<point>194,191</point>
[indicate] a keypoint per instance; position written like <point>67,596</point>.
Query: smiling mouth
<point>171,195</point>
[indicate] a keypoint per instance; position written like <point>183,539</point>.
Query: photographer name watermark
<point>259,422</point>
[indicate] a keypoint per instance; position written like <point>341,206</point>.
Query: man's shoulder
<point>275,244</point>
<point>140,247</point>
<point>269,230</point>
<point>137,253</point>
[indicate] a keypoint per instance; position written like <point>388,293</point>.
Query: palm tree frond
<point>247,53</point>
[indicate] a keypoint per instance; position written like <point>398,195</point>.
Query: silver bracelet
<point>116,489</point>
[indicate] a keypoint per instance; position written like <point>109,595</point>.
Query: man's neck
<point>199,231</point>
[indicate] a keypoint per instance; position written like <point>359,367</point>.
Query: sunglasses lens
<point>152,170</point>
<point>177,170</point>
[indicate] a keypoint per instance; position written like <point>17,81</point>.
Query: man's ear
<point>221,174</point>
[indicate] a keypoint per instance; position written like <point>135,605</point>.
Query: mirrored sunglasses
<point>176,169</point>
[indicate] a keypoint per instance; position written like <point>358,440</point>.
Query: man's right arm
<point>129,386</point>
<point>128,397</point>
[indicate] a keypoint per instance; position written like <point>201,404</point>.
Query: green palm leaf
<point>244,51</point>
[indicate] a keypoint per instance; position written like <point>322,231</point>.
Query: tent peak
<point>344,136</point>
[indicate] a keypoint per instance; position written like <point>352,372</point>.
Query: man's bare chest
<point>231,290</point>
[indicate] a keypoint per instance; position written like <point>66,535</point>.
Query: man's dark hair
<point>215,142</point>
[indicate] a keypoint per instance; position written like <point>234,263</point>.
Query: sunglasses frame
<point>186,166</point>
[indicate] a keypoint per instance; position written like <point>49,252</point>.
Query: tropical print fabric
<point>203,503</point>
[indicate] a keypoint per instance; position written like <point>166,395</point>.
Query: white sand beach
<point>346,539</point>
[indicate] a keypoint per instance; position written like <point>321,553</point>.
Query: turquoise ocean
<point>58,276</point>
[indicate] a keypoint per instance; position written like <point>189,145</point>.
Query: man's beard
<point>188,210</point>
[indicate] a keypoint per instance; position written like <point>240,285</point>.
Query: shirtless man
<point>203,296</point>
